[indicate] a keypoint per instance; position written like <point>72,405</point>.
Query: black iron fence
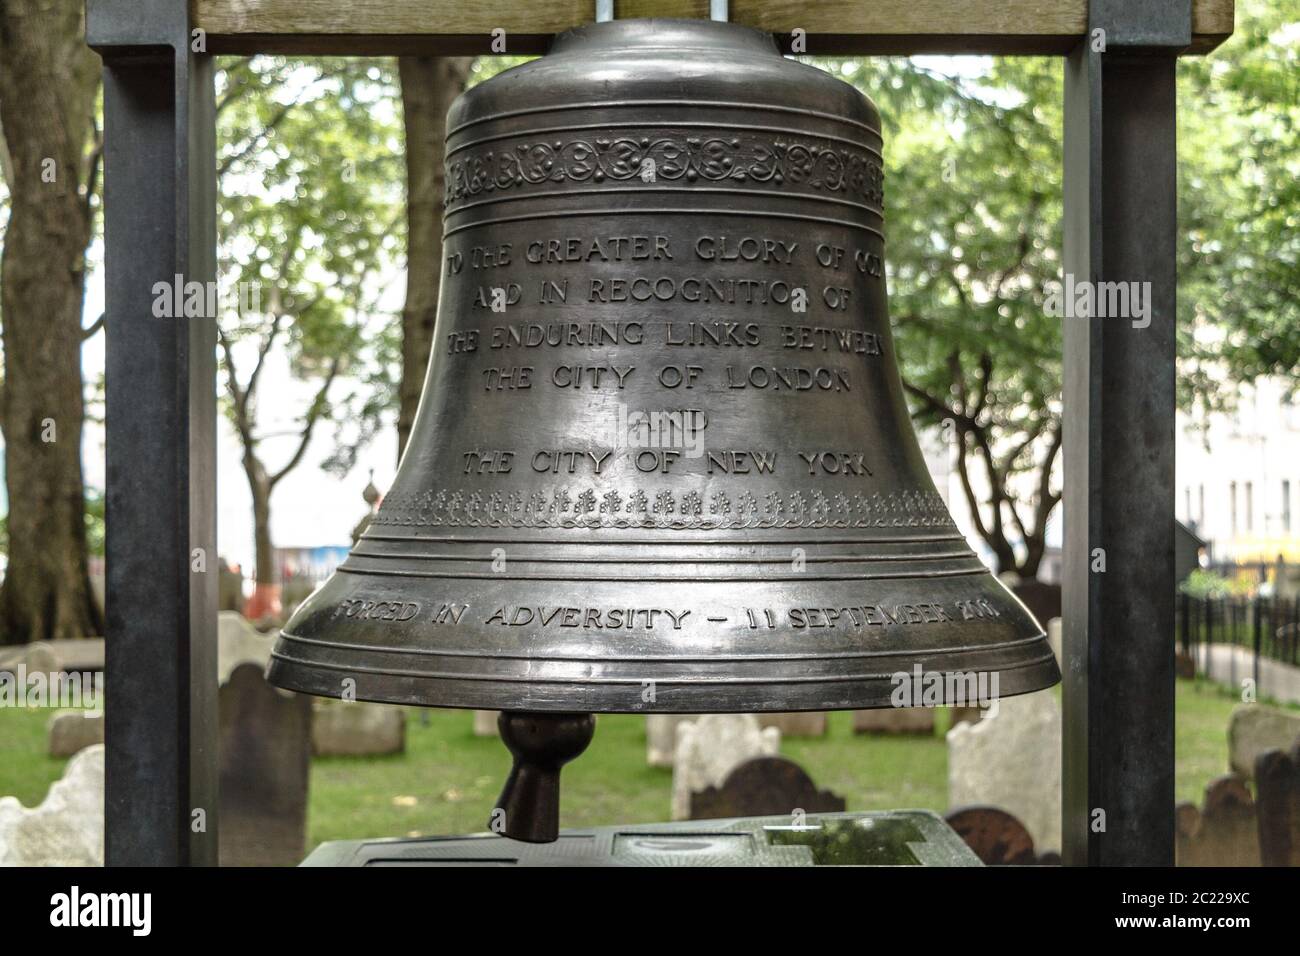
<point>1265,627</point>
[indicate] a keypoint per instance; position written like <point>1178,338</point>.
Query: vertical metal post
<point>1257,608</point>
<point>1120,226</point>
<point>1185,622</point>
<point>160,391</point>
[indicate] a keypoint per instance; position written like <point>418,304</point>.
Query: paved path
<point>1229,664</point>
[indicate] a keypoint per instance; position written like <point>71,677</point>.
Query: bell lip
<point>773,695</point>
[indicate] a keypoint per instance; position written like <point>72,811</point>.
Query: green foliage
<point>973,193</point>
<point>973,199</point>
<point>1239,206</point>
<point>311,183</point>
<point>94,523</point>
<point>1206,584</point>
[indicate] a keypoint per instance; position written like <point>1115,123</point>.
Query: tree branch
<point>313,416</point>
<point>242,424</point>
<point>94,327</point>
<point>263,350</point>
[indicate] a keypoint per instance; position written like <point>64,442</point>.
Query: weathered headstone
<point>1256,728</point>
<point>1043,600</point>
<point>661,731</point>
<point>1222,833</point>
<point>661,737</point>
<point>709,747</point>
<point>230,587</point>
<point>265,752</point>
<point>357,729</point>
<point>239,642</point>
<point>71,731</point>
<point>67,828</point>
<point>1277,780</point>
<point>485,723</point>
<point>969,715</point>
<point>1013,762</point>
<point>36,657</point>
<point>993,835</point>
<point>809,723</point>
<point>764,786</point>
<point>894,720</point>
<point>79,654</point>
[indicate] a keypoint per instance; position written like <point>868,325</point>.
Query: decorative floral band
<point>671,157</point>
<point>560,508</point>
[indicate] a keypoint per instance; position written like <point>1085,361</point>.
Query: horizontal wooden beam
<point>833,27</point>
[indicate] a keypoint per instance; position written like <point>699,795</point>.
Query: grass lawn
<point>448,779</point>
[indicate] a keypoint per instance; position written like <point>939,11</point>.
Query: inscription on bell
<point>618,618</point>
<point>663,438</point>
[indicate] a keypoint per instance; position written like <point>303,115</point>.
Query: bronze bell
<point>663,461</point>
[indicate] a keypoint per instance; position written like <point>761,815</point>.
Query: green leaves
<point>1239,207</point>
<point>973,199</point>
<point>972,194</point>
<point>311,195</point>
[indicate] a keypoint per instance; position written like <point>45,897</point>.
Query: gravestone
<point>67,828</point>
<point>230,587</point>
<point>993,835</point>
<point>1222,833</point>
<point>969,715</point>
<point>485,723</point>
<point>709,747</point>
<point>79,653</point>
<point>1012,762</point>
<point>265,752</point>
<point>36,657</point>
<point>1277,781</point>
<point>239,642</point>
<point>894,720</point>
<point>661,731</point>
<point>1042,599</point>
<point>71,731</point>
<point>661,737</point>
<point>343,728</point>
<point>811,723</point>
<point>1256,728</point>
<point>764,786</point>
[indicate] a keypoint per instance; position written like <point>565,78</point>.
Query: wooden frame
<point>833,27</point>
<point>1119,396</point>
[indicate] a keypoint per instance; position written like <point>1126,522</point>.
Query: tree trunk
<point>260,488</point>
<point>48,82</point>
<point>264,604</point>
<point>429,85</point>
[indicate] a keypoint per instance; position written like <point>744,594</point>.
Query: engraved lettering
<point>745,249</point>
<point>496,379</point>
<point>726,334</point>
<point>579,376</point>
<point>787,379</point>
<point>828,339</point>
<point>835,463</point>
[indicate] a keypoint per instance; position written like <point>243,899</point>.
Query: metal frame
<point>1120,223</point>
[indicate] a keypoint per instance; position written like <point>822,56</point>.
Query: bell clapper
<point>529,806</point>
